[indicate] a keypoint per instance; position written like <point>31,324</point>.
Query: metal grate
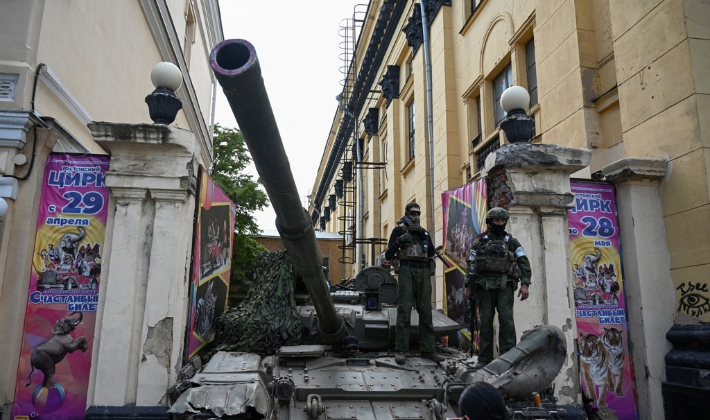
<point>8,87</point>
<point>490,148</point>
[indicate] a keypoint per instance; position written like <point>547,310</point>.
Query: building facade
<point>622,79</point>
<point>64,65</point>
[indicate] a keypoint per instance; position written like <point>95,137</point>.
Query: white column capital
<point>8,187</point>
<point>127,195</point>
<point>176,196</point>
<point>14,127</point>
<point>635,169</point>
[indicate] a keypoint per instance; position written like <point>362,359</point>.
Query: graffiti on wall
<point>693,299</point>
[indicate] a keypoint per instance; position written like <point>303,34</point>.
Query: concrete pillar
<point>139,339</point>
<point>166,295</point>
<point>646,274</point>
<point>117,329</point>
<point>532,181</point>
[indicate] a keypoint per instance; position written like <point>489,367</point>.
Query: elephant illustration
<point>68,243</point>
<point>589,264</point>
<point>45,356</point>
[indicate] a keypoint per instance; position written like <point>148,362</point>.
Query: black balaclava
<point>497,228</point>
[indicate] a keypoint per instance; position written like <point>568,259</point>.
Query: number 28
<point>602,227</point>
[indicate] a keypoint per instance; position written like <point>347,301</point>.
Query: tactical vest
<point>414,251</point>
<point>493,256</point>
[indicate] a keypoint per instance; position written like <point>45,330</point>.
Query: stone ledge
<point>538,156</point>
<point>9,188</point>
<point>116,136</point>
<point>144,183</point>
<point>14,127</point>
<point>635,169</point>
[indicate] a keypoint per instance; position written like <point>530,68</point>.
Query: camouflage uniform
<point>414,288</point>
<point>494,289</point>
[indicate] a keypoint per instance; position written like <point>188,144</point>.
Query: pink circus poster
<point>606,374</point>
<point>55,357</point>
<point>464,218</point>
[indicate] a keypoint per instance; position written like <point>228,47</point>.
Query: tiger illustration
<point>613,341</point>
<point>205,313</point>
<point>595,368</point>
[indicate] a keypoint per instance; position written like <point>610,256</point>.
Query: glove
<point>418,230</point>
<point>405,239</point>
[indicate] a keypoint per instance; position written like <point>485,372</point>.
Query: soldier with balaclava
<point>414,248</point>
<point>496,265</point>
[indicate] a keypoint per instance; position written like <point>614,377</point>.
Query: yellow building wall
<point>625,79</point>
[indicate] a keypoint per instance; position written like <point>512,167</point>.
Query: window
<point>410,129</point>
<point>383,171</point>
<point>531,71</point>
<point>501,82</point>
<point>474,5</point>
<point>189,36</point>
<point>475,121</point>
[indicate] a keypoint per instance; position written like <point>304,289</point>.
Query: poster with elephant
<point>596,275</point>
<point>55,357</point>
<point>214,236</point>
<point>464,215</point>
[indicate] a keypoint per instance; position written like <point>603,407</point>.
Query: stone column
<point>166,295</point>
<point>122,295</point>
<point>646,274</point>
<point>139,340</point>
<point>532,181</point>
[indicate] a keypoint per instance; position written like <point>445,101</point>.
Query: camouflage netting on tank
<point>267,318</point>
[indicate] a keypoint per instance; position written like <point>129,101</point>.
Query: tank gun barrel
<point>236,67</point>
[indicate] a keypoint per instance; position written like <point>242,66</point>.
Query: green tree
<point>231,158</point>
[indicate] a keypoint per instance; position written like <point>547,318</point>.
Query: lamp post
<point>517,125</point>
<point>163,104</point>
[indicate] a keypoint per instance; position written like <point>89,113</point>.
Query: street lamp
<point>163,104</point>
<point>517,125</point>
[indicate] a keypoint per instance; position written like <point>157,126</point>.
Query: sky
<point>298,48</point>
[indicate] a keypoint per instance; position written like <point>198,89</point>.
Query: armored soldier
<point>497,263</point>
<point>414,249</point>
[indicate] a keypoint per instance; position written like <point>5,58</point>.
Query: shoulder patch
<point>519,252</point>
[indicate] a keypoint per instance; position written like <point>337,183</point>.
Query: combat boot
<point>433,357</point>
<point>480,365</point>
<point>400,358</point>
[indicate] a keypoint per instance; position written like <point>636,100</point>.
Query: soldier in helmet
<point>497,263</point>
<point>414,248</point>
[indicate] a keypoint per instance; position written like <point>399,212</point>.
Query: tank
<point>351,373</point>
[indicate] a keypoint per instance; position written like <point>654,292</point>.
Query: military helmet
<point>496,213</point>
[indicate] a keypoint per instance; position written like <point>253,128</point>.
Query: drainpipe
<point>361,216</point>
<point>430,110</point>
<point>214,104</point>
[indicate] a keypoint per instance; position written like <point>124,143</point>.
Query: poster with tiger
<point>606,374</point>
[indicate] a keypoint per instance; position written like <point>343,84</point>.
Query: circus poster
<point>58,335</point>
<point>596,275</point>
<point>464,211</point>
<point>211,265</point>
